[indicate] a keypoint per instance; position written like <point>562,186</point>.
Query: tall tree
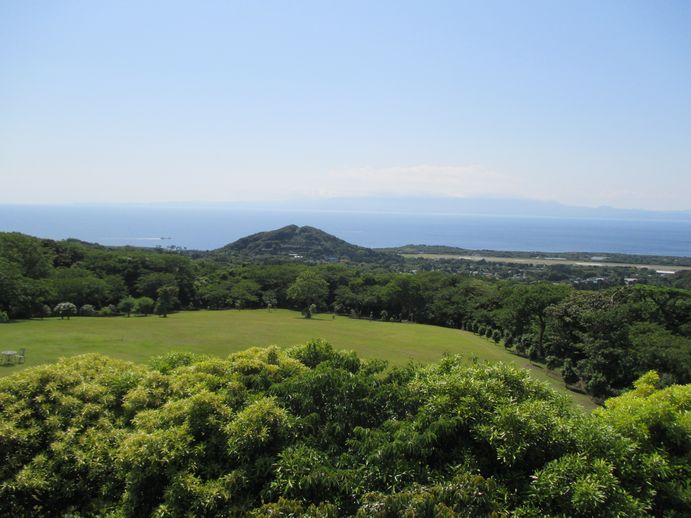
<point>167,299</point>
<point>527,307</point>
<point>309,288</point>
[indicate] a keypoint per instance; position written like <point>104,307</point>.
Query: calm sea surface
<point>208,228</point>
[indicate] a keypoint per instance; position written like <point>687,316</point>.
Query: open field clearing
<point>222,332</point>
<point>547,261</point>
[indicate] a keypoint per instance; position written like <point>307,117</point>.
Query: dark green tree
<point>309,288</point>
<point>167,299</point>
<point>127,305</point>
<point>144,305</point>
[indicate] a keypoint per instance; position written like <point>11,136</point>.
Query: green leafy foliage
<point>127,305</point>
<point>658,422</point>
<point>301,243</point>
<point>602,340</point>
<point>309,289</point>
<point>311,431</point>
<point>167,299</point>
<point>144,305</point>
<point>65,309</point>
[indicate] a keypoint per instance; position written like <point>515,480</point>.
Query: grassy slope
<point>222,332</point>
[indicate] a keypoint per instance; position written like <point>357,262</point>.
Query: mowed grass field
<point>222,332</point>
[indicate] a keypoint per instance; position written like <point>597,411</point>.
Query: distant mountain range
<point>301,243</point>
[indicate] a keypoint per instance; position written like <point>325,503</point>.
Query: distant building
<point>665,272</point>
<point>594,280</point>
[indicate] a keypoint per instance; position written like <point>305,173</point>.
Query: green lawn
<point>222,332</point>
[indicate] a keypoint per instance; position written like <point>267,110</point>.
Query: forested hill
<point>305,242</point>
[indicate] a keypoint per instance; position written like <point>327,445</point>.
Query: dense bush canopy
<point>314,432</point>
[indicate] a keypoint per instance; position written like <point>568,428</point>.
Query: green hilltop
<point>302,243</point>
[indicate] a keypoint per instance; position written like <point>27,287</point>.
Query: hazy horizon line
<point>324,199</point>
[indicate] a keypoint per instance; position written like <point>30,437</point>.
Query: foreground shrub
<point>311,431</point>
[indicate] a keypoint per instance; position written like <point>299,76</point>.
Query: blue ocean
<point>205,228</point>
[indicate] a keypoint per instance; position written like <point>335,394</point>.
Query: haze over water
<point>209,228</point>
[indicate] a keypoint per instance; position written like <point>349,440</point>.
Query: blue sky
<point>586,103</point>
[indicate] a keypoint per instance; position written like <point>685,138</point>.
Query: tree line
<point>600,341</point>
<point>36,276</point>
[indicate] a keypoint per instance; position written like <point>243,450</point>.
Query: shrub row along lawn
<point>219,333</point>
